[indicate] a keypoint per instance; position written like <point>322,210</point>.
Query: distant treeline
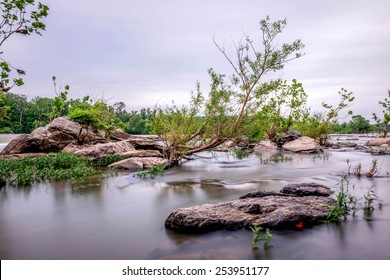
<point>23,115</point>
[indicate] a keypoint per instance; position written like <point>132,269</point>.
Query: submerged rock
<point>139,163</point>
<point>306,204</point>
<point>378,142</point>
<point>303,144</point>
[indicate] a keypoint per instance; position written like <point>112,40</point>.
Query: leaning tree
<point>210,120</point>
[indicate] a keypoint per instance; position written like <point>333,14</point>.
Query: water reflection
<point>122,216</point>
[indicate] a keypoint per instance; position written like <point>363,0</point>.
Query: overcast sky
<point>148,52</point>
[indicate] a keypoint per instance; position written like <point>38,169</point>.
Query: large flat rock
<point>266,209</point>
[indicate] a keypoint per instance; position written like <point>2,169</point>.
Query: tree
<point>231,101</point>
<point>319,125</point>
<point>359,124</point>
<point>22,17</point>
<point>382,124</point>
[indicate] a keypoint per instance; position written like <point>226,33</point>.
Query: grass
<point>107,160</point>
<point>240,154</point>
<point>60,166</point>
<point>374,168</point>
<point>257,237</point>
<point>345,203</point>
<point>369,199</point>
<point>152,172</point>
<point>357,170</point>
<point>276,159</point>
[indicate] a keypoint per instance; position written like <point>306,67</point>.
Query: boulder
<point>139,163</point>
<point>54,137</point>
<point>119,135</point>
<point>265,145</point>
<point>16,145</point>
<point>378,141</point>
<point>265,209</point>
<point>101,149</point>
<point>303,144</point>
<point>145,144</point>
<point>286,137</point>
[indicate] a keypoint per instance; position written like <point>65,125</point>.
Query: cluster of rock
<point>375,145</point>
<point>64,135</point>
<point>295,205</point>
<point>291,141</point>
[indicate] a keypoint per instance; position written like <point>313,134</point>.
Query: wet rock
<point>306,189</point>
<point>303,144</point>
<point>378,141</point>
<point>139,163</point>
<point>361,148</point>
<point>265,209</point>
<point>265,145</point>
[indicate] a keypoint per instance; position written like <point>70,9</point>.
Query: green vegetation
<point>275,159</point>
<point>54,167</point>
<point>345,203</point>
<point>24,115</point>
<point>266,238</point>
<point>356,170</point>
<point>358,124</point>
<point>240,154</point>
<point>152,172</point>
<point>369,199</point>
<point>107,160</point>
<point>231,103</point>
<point>382,124</point>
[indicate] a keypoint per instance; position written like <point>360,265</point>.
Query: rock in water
<point>265,209</point>
<point>303,144</point>
<point>378,142</point>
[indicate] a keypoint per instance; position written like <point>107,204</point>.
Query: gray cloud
<point>143,52</point>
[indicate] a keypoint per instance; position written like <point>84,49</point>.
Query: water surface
<point>122,216</point>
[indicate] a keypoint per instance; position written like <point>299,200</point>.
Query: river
<point>122,217</point>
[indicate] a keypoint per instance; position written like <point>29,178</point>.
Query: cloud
<point>145,51</point>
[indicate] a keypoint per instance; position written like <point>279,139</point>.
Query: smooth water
<point>122,216</point>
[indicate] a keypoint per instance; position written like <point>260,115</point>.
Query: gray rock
<point>145,144</point>
<point>306,189</point>
<point>100,150</point>
<point>289,136</point>
<point>119,135</point>
<point>16,146</point>
<point>265,209</point>
<point>265,145</point>
<point>303,144</point>
<point>55,136</point>
<point>139,163</point>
